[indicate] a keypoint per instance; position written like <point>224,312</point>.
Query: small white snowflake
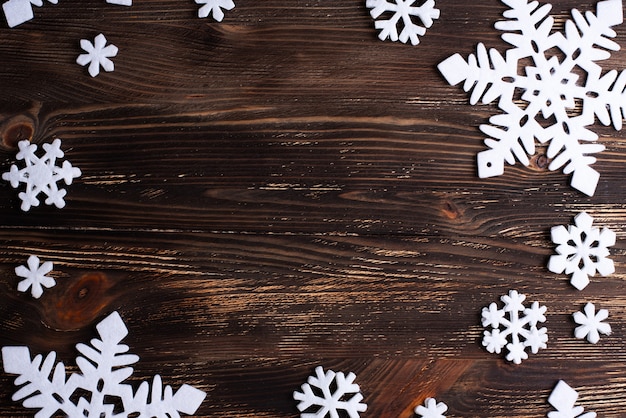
<point>431,409</point>
<point>35,276</point>
<point>215,7</point>
<point>104,366</point>
<point>40,175</point>
<point>590,323</point>
<point>520,329</point>
<point>563,398</point>
<point>97,55</point>
<point>330,402</point>
<point>121,2</point>
<point>582,250</point>
<point>414,19</point>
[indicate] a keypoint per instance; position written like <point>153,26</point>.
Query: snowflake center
<point>40,173</point>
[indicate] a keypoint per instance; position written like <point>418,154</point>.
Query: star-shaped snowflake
<point>215,7</point>
<point>590,323</point>
<point>431,409</point>
<point>582,250</point>
<point>97,55</point>
<point>548,109</point>
<point>408,14</point>
<point>35,276</point>
<point>40,175</point>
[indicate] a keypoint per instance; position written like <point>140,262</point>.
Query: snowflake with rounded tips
<point>431,409</point>
<point>582,250</point>
<point>41,174</point>
<point>590,323</point>
<point>334,392</point>
<point>552,91</point>
<point>408,14</point>
<point>215,7</point>
<point>97,55</point>
<point>563,398</point>
<point>519,327</point>
<point>35,276</point>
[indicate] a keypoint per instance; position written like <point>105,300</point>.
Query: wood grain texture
<point>282,190</point>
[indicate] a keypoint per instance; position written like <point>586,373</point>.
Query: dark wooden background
<point>283,190</point>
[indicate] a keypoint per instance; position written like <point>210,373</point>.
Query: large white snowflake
<point>97,55</point>
<point>41,174</point>
<point>552,90</point>
<point>104,366</point>
<point>17,12</point>
<point>431,409</point>
<point>590,323</point>
<point>34,276</point>
<point>412,17</point>
<point>215,7</point>
<point>334,392</point>
<point>582,250</point>
<point>563,398</point>
<point>519,327</point>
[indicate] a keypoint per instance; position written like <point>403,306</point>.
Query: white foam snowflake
<point>17,12</point>
<point>563,398</point>
<point>41,174</point>
<point>330,402</point>
<point>520,329</point>
<point>104,366</point>
<point>35,276</point>
<point>97,55</point>
<point>215,7</point>
<point>431,409</point>
<point>414,19</point>
<point>590,323</point>
<point>582,250</point>
<point>551,88</point>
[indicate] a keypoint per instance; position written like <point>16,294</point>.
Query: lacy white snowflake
<point>97,55</point>
<point>41,174</point>
<point>215,7</point>
<point>582,250</point>
<point>563,398</point>
<point>408,14</point>
<point>520,329</point>
<point>35,276</point>
<point>551,89</point>
<point>104,365</point>
<point>431,409</point>
<point>590,323</point>
<point>20,11</point>
<point>324,401</point>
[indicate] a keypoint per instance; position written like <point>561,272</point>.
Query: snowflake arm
<point>563,399</point>
<point>97,55</point>
<point>590,323</point>
<point>215,7</point>
<point>35,276</point>
<point>403,13</point>
<point>431,409</point>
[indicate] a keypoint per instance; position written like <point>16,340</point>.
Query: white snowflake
<point>414,19</point>
<point>431,409</point>
<point>582,250</point>
<point>35,276</point>
<point>20,11</point>
<point>520,329</point>
<point>551,89</point>
<point>563,398</point>
<point>330,403</point>
<point>40,175</point>
<point>104,366</point>
<point>97,55</point>
<point>215,7</point>
<point>590,323</point>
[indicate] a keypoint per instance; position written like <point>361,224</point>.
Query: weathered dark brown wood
<point>282,190</point>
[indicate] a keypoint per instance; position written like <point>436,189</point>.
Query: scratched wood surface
<point>282,190</point>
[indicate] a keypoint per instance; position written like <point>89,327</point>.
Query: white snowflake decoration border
<point>41,174</point>
<point>431,409</point>
<point>104,366</point>
<point>563,399</point>
<point>519,331</point>
<point>582,250</point>
<point>549,87</point>
<point>591,323</point>
<point>34,276</point>
<point>97,55</point>
<point>214,7</point>
<point>330,402</point>
<point>403,13</point>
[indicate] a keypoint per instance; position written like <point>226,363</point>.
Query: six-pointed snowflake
<point>104,366</point>
<point>431,409</point>
<point>345,397</point>
<point>413,18</point>
<point>41,174</point>
<point>215,7</point>
<point>519,331</point>
<point>551,88</point>
<point>97,55</point>
<point>35,276</point>
<point>563,398</point>
<point>582,250</point>
<point>590,323</point>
